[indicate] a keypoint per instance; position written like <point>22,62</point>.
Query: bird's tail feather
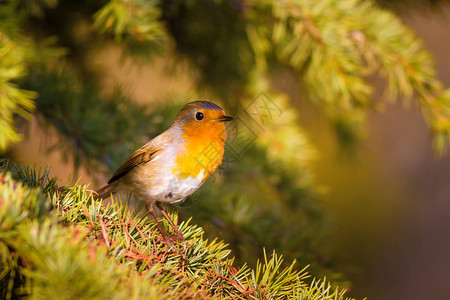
<point>104,192</point>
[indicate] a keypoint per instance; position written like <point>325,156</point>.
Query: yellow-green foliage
<point>331,46</point>
<point>13,99</point>
<point>58,242</point>
<point>233,48</point>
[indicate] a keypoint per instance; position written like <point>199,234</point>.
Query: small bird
<point>173,165</point>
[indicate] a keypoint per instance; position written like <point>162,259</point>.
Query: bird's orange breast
<point>203,150</point>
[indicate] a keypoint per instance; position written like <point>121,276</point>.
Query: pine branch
<point>335,45</point>
<point>135,25</point>
<point>14,100</point>
<point>77,248</point>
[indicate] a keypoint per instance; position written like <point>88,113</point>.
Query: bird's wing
<point>139,157</point>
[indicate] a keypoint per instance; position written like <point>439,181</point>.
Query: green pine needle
<point>58,242</point>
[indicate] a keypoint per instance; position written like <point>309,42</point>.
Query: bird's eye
<point>199,116</point>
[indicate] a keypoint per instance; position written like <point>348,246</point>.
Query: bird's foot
<point>174,245</point>
<point>179,237</point>
<point>171,238</point>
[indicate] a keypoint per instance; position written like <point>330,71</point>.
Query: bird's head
<point>202,120</point>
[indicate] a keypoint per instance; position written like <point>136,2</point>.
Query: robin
<point>173,165</point>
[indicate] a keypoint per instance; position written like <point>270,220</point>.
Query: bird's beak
<point>225,119</point>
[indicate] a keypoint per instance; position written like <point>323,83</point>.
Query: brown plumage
<point>177,162</point>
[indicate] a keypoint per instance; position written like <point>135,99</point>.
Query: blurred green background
<point>339,173</point>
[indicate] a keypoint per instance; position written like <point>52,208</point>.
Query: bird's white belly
<point>173,188</point>
<point>181,186</point>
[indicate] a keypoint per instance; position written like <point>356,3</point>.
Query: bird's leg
<point>178,233</point>
<point>150,210</point>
